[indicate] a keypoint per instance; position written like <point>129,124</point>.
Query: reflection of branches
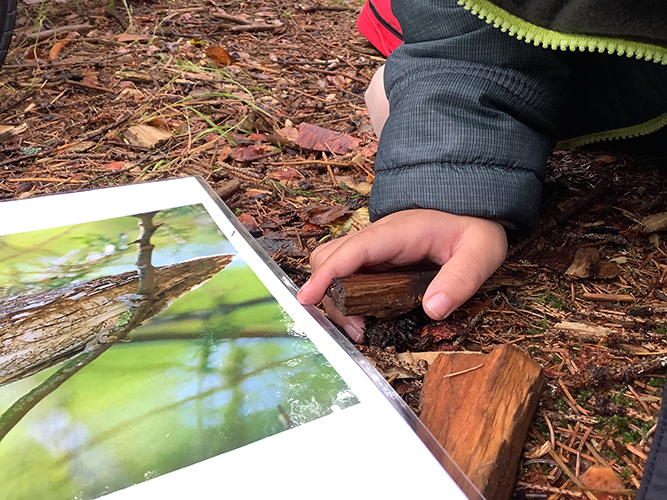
<point>98,345</point>
<point>227,385</point>
<point>246,334</point>
<point>22,251</point>
<point>207,314</point>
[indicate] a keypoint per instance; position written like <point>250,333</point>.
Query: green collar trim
<point>620,133</point>
<point>532,33</point>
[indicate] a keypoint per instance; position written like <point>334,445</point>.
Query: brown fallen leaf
<point>285,175</point>
<point>114,165</point>
<point>586,263</point>
<point>655,222</point>
<point>248,153</point>
<point>322,214</point>
<point>219,56</point>
<point>358,220</point>
<point>90,79</point>
<point>361,187</point>
<point>248,222</point>
<point>57,48</point>
<point>598,477</point>
<point>322,139</point>
<point>289,133</point>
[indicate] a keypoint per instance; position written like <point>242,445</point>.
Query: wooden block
<point>381,295</point>
<point>385,295</point>
<point>479,408</point>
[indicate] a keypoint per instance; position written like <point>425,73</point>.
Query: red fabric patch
<point>379,26</point>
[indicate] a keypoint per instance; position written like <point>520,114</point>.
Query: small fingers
<point>353,325</point>
<point>348,255</point>
<point>462,275</point>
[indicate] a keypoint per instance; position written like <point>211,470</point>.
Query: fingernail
<point>439,306</point>
<point>303,289</point>
<point>355,333</point>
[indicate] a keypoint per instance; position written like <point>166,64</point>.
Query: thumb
<point>458,280</point>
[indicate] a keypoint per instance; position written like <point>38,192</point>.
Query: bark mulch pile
<point>264,99</point>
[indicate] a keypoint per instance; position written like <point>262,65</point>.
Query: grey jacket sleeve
<point>472,118</point>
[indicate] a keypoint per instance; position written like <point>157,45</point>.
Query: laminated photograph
<point>150,349</point>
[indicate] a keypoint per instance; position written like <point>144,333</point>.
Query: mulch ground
<point>264,99</point>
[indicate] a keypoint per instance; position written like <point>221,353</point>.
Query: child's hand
<point>469,249</point>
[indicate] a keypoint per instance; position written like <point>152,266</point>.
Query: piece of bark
<point>228,189</point>
<point>145,136</point>
<point>479,408</point>
<point>381,295</point>
<point>8,132</point>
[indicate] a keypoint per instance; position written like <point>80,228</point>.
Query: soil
<point>223,91</point>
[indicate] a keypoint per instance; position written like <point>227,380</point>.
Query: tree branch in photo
<point>57,325</point>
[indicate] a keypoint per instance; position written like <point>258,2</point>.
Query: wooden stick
<point>381,295</point>
<point>36,37</point>
<point>606,297</point>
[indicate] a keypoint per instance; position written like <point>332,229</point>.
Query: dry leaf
<point>586,263</point>
<point>361,187</point>
<point>219,56</point>
<point>248,153</point>
<point>248,222</point>
<point>308,226</point>
<point>289,133</point>
<point>337,80</point>
<point>654,239</point>
<point>322,214</point>
<point>257,137</point>
<point>598,477</point>
<point>322,139</point>
<point>655,222</point>
<point>607,159</point>
<point>8,132</point>
<point>57,48</point>
<point>114,165</point>
<point>158,122</point>
<point>90,79</point>
<point>538,451</point>
<point>285,175</point>
<point>358,220</point>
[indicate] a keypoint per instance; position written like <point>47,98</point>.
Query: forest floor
<point>264,99</point>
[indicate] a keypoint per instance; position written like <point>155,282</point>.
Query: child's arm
<point>472,117</point>
<point>469,250</point>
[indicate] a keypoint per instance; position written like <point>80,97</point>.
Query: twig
<point>606,297</point>
<point>91,87</point>
<point>229,17</point>
<point>248,28</point>
<point>109,12</point>
<point>106,128</point>
<point>81,28</point>
<point>449,375</point>
<point>46,179</point>
<point>309,9</point>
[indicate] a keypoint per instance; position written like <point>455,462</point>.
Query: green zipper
<point>536,35</point>
<point>531,33</point>
<point>611,135</point>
